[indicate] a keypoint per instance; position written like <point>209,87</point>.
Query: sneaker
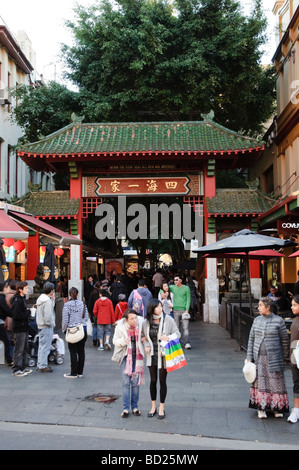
<point>101,348</point>
<point>293,418</point>
<point>107,346</point>
<point>70,376</point>
<point>45,369</point>
<point>28,371</point>
<point>262,414</point>
<point>19,373</point>
<point>187,346</point>
<point>277,414</point>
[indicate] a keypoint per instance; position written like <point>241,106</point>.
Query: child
<point>294,416</point>
<point>166,299</point>
<point>103,311</point>
<point>120,308</point>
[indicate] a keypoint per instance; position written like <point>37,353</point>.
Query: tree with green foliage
<point>43,110</point>
<point>139,60</point>
<point>158,60</point>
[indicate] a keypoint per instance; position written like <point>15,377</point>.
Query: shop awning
<point>10,229</point>
<point>62,237</point>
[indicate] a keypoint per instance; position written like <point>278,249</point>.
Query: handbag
<point>75,334</point>
<point>249,371</point>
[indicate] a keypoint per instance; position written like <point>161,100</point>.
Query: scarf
<point>139,367</point>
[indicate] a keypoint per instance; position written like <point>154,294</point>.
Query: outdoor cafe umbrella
<point>252,255</point>
<point>244,241</point>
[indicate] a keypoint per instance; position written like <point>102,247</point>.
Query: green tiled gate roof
<point>195,136</point>
<point>50,204</point>
<point>239,201</point>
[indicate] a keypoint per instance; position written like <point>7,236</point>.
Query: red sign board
<point>145,186</point>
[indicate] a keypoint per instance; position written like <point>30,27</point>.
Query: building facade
<point>17,67</point>
<point>278,168</point>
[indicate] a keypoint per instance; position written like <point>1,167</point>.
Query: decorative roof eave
<point>193,139</point>
<point>86,155</point>
<point>234,214</point>
<point>50,205</point>
<point>239,202</point>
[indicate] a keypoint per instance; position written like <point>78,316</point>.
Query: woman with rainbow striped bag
<point>158,329</point>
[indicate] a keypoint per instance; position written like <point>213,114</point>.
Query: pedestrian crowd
<point>137,312</point>
<point>138,318</point>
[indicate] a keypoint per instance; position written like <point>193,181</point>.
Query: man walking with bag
<point>45,320</point>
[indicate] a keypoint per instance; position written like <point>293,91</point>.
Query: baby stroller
<point>57,350</point>
<point>57,347</point>
<point>32,342</point>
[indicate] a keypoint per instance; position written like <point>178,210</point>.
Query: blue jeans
<point>130,388</point>
<point>45,336</point>
<point>104,331</point>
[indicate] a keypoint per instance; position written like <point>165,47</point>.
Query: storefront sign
<point>288,227</point>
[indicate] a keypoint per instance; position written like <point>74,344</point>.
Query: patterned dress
<point>268,392</point>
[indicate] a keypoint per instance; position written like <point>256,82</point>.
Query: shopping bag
<point>296,355</point>
<point>174,356</point>
<point>89,328</point>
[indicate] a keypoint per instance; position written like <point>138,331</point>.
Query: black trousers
<point>153,384</point>
<point>77,354</point>
<point>20,355</point>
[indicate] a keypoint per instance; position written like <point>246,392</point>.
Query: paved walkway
<point>208,398</point>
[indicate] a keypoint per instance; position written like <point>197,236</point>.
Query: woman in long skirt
<point>268,348</point>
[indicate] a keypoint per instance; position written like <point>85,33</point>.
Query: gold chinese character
<point>171,184</point>
<point>152,185</point>
<point>114,186</point>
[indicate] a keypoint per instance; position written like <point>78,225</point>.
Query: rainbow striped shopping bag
<point>174,355</point>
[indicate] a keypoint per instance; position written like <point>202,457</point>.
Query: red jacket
<point>103,311</point>
<point>120,309</point>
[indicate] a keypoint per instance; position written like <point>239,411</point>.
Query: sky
<point>43,23</point>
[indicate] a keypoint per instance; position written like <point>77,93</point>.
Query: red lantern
<point>58,252</point>
<point>8,242</point>
<point>19,246</point>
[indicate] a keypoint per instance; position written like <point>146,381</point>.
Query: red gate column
<point>211,305</point>
<point>32,256</point>
<point>76,250</point>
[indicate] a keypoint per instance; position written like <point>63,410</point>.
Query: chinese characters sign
<point>141,186</point>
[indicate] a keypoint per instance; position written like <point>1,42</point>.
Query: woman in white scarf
<point>129,353</point>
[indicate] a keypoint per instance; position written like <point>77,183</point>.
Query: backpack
<point>137,303</point>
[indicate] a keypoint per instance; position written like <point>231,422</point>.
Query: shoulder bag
<point>75,333</point>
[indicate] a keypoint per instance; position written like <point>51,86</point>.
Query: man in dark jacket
<point>117,288</point>
<point>20,326</point>
<point>5,312</point>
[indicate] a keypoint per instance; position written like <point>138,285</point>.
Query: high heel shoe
<point>150,415</point>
